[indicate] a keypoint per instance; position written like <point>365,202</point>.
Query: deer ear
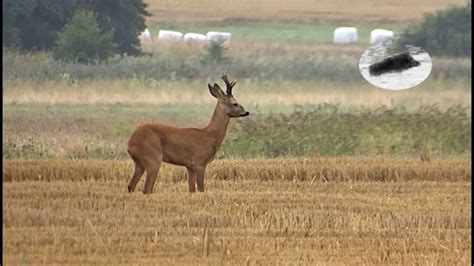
<point>216,91</point>
<point>212,90</point>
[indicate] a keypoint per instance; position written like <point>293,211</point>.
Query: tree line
<point>445,33</point>
<point>35,25</point>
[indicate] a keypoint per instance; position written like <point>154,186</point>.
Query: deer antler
<point>228,84</point>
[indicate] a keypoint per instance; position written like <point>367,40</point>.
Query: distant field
<point>344,211</point>
<point>291,22</point>
<point>278,32</point>
<point>265,95</point>
<point>300,10</point>
<point>101,131</point>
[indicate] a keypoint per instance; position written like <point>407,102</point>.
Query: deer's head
<point>226,100</point>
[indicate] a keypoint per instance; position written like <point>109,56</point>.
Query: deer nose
<point>246,114</point>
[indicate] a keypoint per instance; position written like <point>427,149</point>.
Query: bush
<point>81,40</point>
<point>329,130</point>
<point>215,54</point>
<point>446,33</point>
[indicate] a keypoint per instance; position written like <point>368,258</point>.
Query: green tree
<point>447,32</point>
<point>216,53</point>
<point>81,40</point>
<point>35,24</point>
<point>125,18</point>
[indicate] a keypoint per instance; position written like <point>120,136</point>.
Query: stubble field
<point>305,211</point>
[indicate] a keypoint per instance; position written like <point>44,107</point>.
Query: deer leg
<point>151,175</point>
<point>191,179</point>
<point>139,170</point>
<point>152,168</point>
<point>200,178</point>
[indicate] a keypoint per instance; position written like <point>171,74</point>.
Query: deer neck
<point>217,127</point>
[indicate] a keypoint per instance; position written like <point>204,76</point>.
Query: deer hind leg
<point>152,168</point>
<point>137,174</point>
<point>191,179</point>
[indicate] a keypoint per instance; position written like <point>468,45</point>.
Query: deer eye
<point>236,104</point>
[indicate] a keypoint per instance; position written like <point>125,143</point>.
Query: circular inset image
<point>397,71</point>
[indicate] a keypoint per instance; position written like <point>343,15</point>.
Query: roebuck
<point>193,148</point>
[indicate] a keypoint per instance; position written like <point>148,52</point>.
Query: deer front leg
<point>191,179</point>
<point>200,178</point>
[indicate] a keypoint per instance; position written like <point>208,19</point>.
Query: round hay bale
<point>167,35</point>
<point>345,35</point>
<point>214,36</point>
<point>380,35</point>
<point>194,37</point>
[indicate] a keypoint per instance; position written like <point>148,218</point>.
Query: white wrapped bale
<point>167,35</point>
<point>215,36</point>
<point>380,35</point>
<point>345,35</point>
<point>145,34</point>
<point>195,37</point>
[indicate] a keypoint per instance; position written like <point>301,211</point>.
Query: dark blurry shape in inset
<point>399,71</point>
<point>395,63</point>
